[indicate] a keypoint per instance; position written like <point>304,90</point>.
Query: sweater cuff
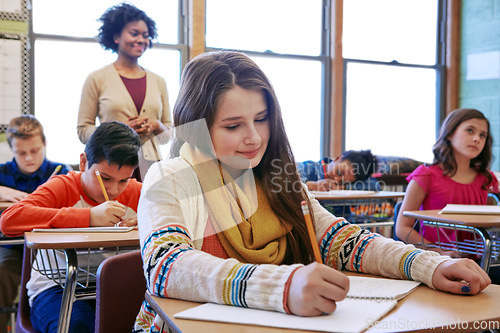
<point>424,266</point>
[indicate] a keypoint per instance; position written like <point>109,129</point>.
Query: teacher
<point>124,91</point>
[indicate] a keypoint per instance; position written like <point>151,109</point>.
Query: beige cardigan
<point>105,96</point>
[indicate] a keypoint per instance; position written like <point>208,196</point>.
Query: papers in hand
<point>91,229</point>
<point>471,209</point>
<point>370,299</point>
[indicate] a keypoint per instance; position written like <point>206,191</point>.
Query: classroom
<point>380,77</point>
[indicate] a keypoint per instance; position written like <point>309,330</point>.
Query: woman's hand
<point>315,289</point>
<point>460,276</point>
<point>141,125</point>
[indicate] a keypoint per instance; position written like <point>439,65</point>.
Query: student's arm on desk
<point>413,199</point>
<point>323,185</point>
<point>11,194</point>
<point>43,209</point>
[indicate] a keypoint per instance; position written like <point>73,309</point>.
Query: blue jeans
<point>47,305</point>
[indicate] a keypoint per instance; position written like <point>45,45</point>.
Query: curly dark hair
<point>363,162</point>
<point>114,20</point>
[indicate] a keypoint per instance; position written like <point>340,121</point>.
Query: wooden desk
<point>4,240</point>
<point>69,242</point>
<point>373,210</point>
<point>482,224</point>
<point>424,310</point>
<point>4,205</point>
<point>347,195</point>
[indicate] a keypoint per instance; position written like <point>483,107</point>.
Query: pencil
<point>102,185</point>
<point>310,231</point>
<point>56,170</point>
<point>324,168</point>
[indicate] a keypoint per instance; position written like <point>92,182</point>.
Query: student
<point>77,200</point>
<point>205,239</point>
<point>350,171</point>
<point>458,175</point>
<point>28,169</point>
<point>124,90</point>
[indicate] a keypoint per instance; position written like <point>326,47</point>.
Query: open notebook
<point>91,229</point>
<point>368,300</point>
<point>471,209</point>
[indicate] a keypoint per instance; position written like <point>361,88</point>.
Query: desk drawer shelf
<point>467,241</point>
<point>375,214</point>
<point>88,263</point>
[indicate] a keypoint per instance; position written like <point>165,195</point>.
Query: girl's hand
<point>315,289</point>
<point>460,276</point>
<point>106,214</point>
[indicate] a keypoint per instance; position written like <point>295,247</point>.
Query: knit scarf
<point>240,212</point>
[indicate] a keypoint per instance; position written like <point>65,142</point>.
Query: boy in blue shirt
<point>28,169</point>
<point>350,171</point>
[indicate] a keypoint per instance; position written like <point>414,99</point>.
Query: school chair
<point>23,321</point>
<point>120,292</point>
<point>397,208</point>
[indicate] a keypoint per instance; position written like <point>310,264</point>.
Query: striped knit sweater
<point>178,262</point>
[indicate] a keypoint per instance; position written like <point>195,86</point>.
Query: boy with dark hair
<point>350,171</point>
<point>28,169</point>
<point>77,200</point>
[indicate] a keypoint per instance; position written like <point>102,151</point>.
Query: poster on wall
<point>10,79</point>
<point>11,6</point>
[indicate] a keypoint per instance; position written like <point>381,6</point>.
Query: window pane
<point>280,26</point>
<point>387,30</point>
<point>391,110</point>
<point>57,17</point>
<point>58,86</point>
<point>300,101</point>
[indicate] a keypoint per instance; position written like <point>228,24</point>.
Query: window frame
<point>326,77</point>
<point>446,67</point>
<point>181,46</point>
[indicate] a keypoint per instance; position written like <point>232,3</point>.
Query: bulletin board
<point>14,62</point>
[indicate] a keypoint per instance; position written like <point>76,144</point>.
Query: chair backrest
<point>492,200</point>
<point>397,208</point>
<point>23,321</point>
<point>120,292</point>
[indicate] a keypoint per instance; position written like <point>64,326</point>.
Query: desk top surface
<point>472,220</point>
<point>347,194</point>
<point>69,240</point>
<point>4,205</point>
<point>424,306</point>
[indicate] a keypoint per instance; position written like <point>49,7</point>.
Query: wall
<point>480,34</point>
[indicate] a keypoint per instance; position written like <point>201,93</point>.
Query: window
<point>393,76</point>
<point>286,39</point>
<point>65,52</point>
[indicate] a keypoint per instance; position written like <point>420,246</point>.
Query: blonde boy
<point>28,169</point>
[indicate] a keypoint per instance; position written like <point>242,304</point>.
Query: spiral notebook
<point>368,300</point>
<point>471,209</point>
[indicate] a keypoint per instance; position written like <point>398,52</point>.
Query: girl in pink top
<point>458,175</point>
